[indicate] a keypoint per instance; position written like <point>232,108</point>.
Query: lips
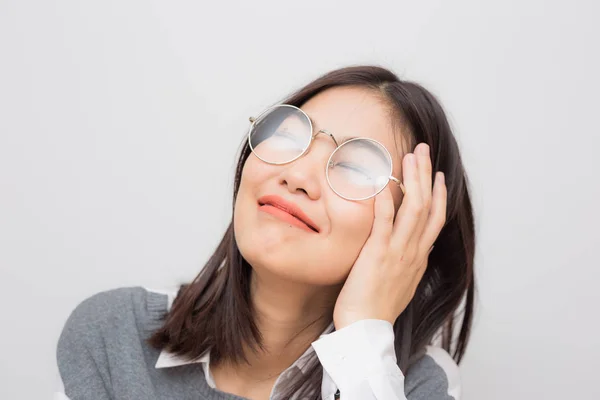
<point>288,211</point>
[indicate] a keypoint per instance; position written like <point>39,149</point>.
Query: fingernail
<point>413,159</point>
<point>440,177</point>
<point>424,149</point>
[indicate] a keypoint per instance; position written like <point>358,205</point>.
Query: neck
<point>289,316</point>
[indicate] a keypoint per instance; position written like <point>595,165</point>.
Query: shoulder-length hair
<point>215,311</point>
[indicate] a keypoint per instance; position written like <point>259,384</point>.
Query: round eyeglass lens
<point>359,169</point>
<point>280,134</point>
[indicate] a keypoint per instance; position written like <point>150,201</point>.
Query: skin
<point>366,266</point>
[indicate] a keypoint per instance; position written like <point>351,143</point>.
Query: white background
<point>120,122</point>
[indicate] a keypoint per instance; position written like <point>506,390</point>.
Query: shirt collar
<point>303,361</point>
<point>167,359</point>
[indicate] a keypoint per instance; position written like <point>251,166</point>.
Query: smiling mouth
<point>287,213</point>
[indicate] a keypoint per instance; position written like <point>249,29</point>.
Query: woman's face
<point>270,242</point>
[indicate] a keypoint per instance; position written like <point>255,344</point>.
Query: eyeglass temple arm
<point>397,182</point>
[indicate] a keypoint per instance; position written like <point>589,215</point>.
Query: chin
<point>289,265</point>
<point>280,250</point>
<point>298,274</point>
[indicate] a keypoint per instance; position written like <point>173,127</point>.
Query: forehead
<point>352,111</point>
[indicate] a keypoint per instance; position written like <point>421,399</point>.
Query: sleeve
<point>79,354</point>
<point>360,361</point>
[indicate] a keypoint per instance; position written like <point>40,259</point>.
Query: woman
<point>326,283</point>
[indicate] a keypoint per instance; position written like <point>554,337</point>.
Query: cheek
<point>351,224</point>
<point>255,240</point>
<point>252,175</point>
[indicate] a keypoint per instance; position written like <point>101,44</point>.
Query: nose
<point>307,173</point>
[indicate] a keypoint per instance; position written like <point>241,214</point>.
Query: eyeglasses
<point>357,169</point>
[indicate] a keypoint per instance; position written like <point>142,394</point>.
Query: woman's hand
<point>388,269</point>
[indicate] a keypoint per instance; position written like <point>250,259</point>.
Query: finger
<point>437,216</point>
<point>383,220</point>
<point>411,207</point>
<point>424,171</point>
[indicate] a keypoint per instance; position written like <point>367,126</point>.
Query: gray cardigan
<point>102,355</point>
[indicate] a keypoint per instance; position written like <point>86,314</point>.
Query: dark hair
<point>215,311</point>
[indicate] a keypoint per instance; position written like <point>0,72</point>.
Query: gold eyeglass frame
<point>329,162</point>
